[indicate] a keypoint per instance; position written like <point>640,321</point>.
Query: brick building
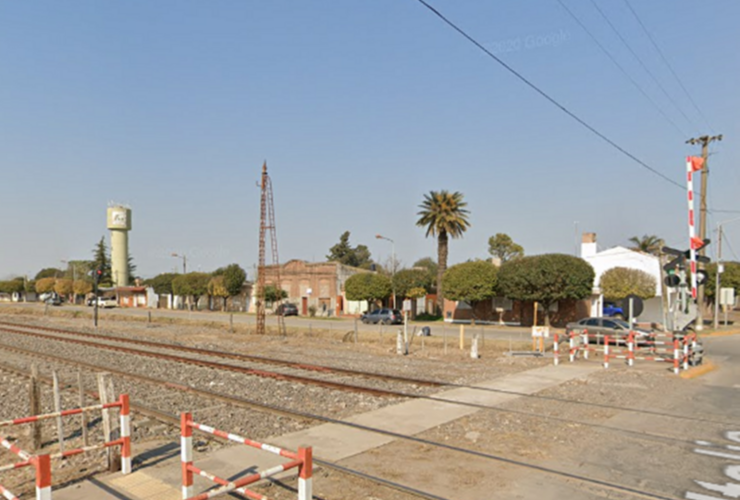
<point>317,284</point>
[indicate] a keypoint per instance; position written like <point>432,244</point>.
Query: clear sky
<point>359,108</point>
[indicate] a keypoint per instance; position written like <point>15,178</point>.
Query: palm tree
<point>444,215</point>
<point>649,244</point>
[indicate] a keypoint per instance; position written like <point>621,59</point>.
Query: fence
<point>676,350</point>
<point>302,460</point>
<point>42,463</point>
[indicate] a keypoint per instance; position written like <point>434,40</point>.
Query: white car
<point>106,302</point>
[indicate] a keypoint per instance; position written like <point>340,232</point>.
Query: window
<point>592,322</point>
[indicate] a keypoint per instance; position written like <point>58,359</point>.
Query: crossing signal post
<point>684,307</point>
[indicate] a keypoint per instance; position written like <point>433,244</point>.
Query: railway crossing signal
<point>684,311</point>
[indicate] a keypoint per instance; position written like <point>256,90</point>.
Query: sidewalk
<point>331,442</point>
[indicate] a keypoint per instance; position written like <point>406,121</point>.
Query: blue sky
<point>359,108</point>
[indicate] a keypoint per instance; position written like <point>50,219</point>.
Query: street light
<point>393,265</point>
<point>184,261</point>
<point>717,280</point>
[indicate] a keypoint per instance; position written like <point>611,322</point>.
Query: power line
<point>621,68</point>
<point>644,66</point>
<point>727,242</point>
<point>670,67</point>
<point>547,96</point>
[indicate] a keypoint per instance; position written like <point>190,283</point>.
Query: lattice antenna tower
<point>267,222</point>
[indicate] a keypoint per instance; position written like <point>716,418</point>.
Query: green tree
<point>503,247</point>
<point>162,283</point>
<point>101,261</point>
<point>48,272</point>
<point>619,282</point>
<point>45,285</point>
<point>408,279</point>
<point>12,286</point>
<point>346,254</point>
<point>648,244</point>
<point>217,288</point>
<point>429,265</point>
<point>546,279</point>
<point>471,282</point>
<point>730,278</point>
<point>272,294</point>
<point>368,286</point>
<point>191,285</point>
<point>234,278</point>
<point>444,216</point>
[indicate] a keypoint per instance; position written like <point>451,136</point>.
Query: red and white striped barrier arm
<point>223,482</point>
<point>253,478</point>
<point>242,440</point>
<point>7,493</point>
<point>65,413</point>
<point>13,448</point>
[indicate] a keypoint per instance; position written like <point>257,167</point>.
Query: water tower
<point>119,223</point>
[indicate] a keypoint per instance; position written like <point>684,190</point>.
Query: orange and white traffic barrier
<point>42,463</point>
<point>302,460</point>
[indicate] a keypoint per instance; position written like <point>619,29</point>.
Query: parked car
<point>286,309</point>
<point>54,300</point>
<point>105,302</point>
<point>383,316</point>
<point>613,310</point>
<point>617,329</point>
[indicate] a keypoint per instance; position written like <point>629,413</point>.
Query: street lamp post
<point>184,262</point>
<point>718,278</point>
<point>393,265</point>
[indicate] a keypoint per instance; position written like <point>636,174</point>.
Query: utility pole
<point>704,140</point>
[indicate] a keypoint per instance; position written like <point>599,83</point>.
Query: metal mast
<point>267,221</point>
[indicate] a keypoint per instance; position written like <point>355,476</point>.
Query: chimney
<point>588,245</point>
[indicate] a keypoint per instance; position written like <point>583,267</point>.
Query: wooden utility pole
<point>704,141</point>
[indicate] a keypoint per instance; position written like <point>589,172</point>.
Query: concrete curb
<point>698,371</point>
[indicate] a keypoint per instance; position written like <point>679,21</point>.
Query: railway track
<point>243,402</point>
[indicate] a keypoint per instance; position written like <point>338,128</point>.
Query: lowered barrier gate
<point>302,460</point>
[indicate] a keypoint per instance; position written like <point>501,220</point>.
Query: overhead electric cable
<point>670,67</point>
<point>621,68</point>
<point>547,96</point>
<point>639,60</point>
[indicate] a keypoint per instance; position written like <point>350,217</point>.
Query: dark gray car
<point>383,316</point>
<point>596,328</point>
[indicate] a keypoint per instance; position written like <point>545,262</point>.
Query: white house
<point>622,257</point>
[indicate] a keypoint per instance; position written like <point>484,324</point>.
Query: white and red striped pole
<point>186,454</point>
<point>584,342</point>
<point>676,355</point>
<point>606,351</point>
<point>693,164</point>
<point>305,473</point>
<point>572,345</point>
<point>43,476</point>
<point>125,435</point>
<point>555,350</point>
<point>631,348</point>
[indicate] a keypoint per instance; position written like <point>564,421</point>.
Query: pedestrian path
<point>332,441</point>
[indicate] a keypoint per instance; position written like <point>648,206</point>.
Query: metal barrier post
<point>186,454</point>
<point>676,351</point>
<point>571,344</point>
<point>631,348</point>
<point>125,435</point>
<point>584,341</point>
<point>42,463</point>
<point>305,473</point>
<point>555,350</point>
<point>606,351</point>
